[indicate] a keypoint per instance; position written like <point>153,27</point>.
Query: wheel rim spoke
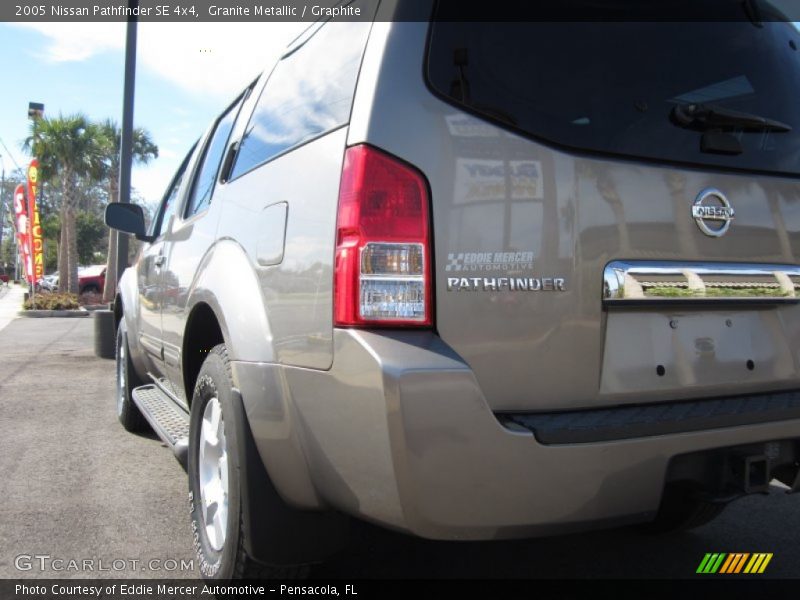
<point>213,473</point>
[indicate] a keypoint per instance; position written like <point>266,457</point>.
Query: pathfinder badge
<point>503,284</point>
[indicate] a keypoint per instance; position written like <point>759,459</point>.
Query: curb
<point>53,313</point>
<point>93,307</point>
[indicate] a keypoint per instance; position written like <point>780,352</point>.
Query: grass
<point>52,301</point>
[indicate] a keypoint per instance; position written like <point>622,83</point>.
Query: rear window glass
<point>169,203</point>
<point>207,173</point>
<point>309,93</point>
<point>660,91</point>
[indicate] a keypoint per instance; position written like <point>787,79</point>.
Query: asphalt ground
<point>76,486</point>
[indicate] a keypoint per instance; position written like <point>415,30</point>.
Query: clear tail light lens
<point>382,272</point>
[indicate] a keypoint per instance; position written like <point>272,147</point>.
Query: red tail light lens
<point>383,265</point>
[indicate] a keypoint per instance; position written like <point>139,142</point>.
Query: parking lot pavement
<point>77,486</point>
<point>752,524</point>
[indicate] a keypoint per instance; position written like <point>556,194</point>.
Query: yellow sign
<point>36,271</point>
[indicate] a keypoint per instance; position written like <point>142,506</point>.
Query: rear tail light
<point>383,259</point>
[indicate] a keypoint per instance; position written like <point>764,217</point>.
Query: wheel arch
<point>118,310</point>
<point>126,306</point>
<point>225,304</point>
<point>227,283</point>
<point>203,332</point>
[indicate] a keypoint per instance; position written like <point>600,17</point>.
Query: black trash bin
<point>105,334</point>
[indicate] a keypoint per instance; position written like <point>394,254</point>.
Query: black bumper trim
<point>647,420</point>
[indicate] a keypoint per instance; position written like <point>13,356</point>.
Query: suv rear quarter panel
<point>296,293</point>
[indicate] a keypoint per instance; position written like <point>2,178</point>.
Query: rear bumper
<point>657,419</point>
<point>398,432</point>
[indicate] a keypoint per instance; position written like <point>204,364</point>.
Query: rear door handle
<point>159,260</point>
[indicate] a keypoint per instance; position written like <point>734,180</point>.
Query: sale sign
<point>21,222</point>
<point>35,239</point>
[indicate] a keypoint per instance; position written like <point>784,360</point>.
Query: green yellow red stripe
<point>734,562</point>
<point>715,567</point>
<point>728,562</point>
<point>740,563</point>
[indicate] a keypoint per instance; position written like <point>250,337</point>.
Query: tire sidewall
<point>122,342</point>
<point>127,412</point>
<point>214,379</point>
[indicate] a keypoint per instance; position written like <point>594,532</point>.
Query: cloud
<point>77,41</point>
<point>210,60</point>
<point>151,181</point>
<point>216,59</point>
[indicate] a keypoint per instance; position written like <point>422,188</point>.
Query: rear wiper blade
<point>705,117</point>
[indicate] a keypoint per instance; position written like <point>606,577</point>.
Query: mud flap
<point>275,533</point>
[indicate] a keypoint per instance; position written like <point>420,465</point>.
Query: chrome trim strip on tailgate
<point>644,282</point>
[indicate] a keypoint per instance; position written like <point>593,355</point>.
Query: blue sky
<point>186,73</point>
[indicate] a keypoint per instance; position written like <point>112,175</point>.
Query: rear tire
<point>127,379</point>
<point>215,486</point>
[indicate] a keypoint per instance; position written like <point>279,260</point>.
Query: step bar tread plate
<point>167,419</point>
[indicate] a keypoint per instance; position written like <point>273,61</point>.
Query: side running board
<point>168,420</point>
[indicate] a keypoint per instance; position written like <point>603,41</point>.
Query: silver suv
<point>474,281</point>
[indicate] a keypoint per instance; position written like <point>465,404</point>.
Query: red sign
<point>21,221</point>
<point>35,238</point>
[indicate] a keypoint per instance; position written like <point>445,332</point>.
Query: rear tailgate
<point>535,345</point>
<point>579,257</point>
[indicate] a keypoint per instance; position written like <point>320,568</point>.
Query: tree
<point>8,223</point>
<point>51,232</point>
<point>68,148</point>
<point>8,253</point>
<point>91,232</point>
<point>143,151</point>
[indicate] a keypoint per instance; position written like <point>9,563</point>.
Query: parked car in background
<point>49,283</point>
<point>91,279</point>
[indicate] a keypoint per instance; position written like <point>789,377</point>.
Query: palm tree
<point>68,148</point>
<point>143,151</point>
